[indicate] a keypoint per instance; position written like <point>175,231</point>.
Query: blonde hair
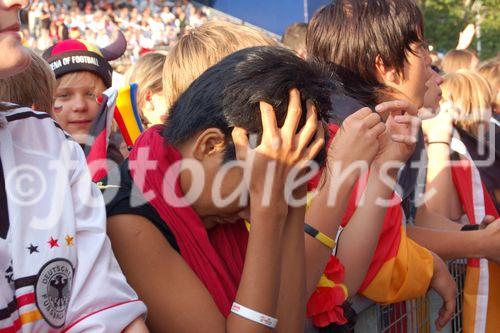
<point>471,97</point>
<point>202,47</point>
<point>490,70</point>
<point>458,59</point>
<point>33,88</point>
<point>78,77</point>
<point>295,36</point>
<point>147,73</point>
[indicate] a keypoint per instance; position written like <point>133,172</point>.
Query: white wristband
<point>254,316</point>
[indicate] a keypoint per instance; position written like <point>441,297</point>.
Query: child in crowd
<point>461,190</point>
<point>295,38</point>
<point>459,59</point>
<point>367,90</point>
<point>375,70</point>
<point>490,70</point>
<point>33,88</point>
<point>196,250</point>
<point>467,100</point>
<point>83,73</point>
<point>147,73</point>
<point>394,65</point>
<point>58,270</point>
<point>201,48</point>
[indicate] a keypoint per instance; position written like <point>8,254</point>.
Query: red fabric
<point>325,304</point>
<point>25,299</point>
<point>16,326</point>
<point>461,174</point>
<point>462,178</point>
<point>390,235</point>
<point>489,206</point>
<point>121,124</point>
<point>68,45</point>
<point>398,318</point>
<point>96,158</point>
<point>216,255</point>
<point>144,51</point>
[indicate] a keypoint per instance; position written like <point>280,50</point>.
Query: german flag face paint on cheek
<point>58,108</point>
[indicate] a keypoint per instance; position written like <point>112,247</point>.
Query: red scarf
<point>216,255</point>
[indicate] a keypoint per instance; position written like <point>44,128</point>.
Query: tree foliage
<point>445,19</point>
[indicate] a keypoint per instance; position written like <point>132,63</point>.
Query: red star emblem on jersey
<point>53,242</point>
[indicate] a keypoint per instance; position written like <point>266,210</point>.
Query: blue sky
<point>272,15</point>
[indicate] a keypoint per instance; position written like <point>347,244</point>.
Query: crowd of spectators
<point>247,184</point>
<point>147,24</point>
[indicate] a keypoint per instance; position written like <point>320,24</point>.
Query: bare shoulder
<point>161,277</point>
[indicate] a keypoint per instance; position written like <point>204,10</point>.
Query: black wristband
<point>470,227</point>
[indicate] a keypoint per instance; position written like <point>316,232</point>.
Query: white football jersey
<point>58,270</point>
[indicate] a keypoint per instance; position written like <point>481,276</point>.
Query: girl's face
<point>75,103</point>
<point>433,94</point>
<point>417,72</point>
<point>10,38</point>
<point>155,109</point>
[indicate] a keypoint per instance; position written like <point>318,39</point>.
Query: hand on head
<point>282,150</point>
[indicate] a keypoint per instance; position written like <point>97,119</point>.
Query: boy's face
<point>10,40</point>
<point>75,103</point>
<point>217,185</point>
<point>417,72</point>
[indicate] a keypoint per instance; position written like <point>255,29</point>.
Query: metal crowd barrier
<point>413,316</point>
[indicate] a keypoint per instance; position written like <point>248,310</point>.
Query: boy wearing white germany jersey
<point>59,274</point>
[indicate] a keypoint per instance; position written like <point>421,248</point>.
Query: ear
<point>146,99</point>
<point>209,143</point>
<point>386,75</point>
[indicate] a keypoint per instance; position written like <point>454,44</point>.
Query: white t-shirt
<point>59,272</point>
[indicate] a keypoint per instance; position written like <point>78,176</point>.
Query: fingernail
<point>378,108</point>
<point>398,118</point>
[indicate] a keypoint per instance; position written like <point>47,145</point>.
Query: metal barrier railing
<point>458,269</point>
<point>403,317</point>
<point>413,316</point>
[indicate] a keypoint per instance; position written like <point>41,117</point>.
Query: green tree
<point>445,19</point>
